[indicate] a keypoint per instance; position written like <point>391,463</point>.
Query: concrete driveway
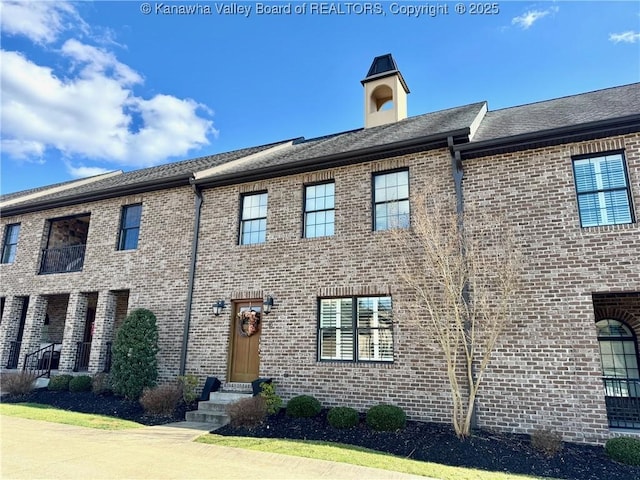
<point>33,449</point>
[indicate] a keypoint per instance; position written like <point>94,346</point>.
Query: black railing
<point>14,351</point>
<point>107,360</point>
<point>622,397</point>
<point>83,352</point>
<point>42,361</point>
<point>64,259</point>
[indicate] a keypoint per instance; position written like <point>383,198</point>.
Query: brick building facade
<point>303,223</point>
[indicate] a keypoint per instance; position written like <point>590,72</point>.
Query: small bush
<point>386,418</point>
<point>303,406</point>
<point>546,441</point>
<point>624,450</point>
<point>81,383</point>
<point>343,417</point>
<point>60,383</point>
<point>188,385</point>
<point>101,384</point>
<point>161,400</point>
<point>247,412</point>
<point>273,401</point>
<point>18,383</point>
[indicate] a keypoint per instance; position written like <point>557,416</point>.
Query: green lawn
<point>36,411</point>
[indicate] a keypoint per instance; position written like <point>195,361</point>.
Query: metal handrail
<point>39,362</point>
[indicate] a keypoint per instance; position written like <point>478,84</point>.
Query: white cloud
<point>82,172</point>
<point>41,22</point>
<point>530,17</point>
<point>626,37</point>
<point>89,111</point>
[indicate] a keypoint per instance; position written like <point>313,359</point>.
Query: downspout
<point>192,274</point>
<point>458,174</point>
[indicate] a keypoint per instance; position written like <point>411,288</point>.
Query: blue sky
<point>96,86</point>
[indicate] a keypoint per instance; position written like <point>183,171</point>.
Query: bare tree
<point>464,270</point>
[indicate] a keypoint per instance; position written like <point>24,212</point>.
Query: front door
<point>245,344</point>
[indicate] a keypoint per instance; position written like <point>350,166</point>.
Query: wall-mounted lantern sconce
<point>267,305</point>
<point>218,307</point>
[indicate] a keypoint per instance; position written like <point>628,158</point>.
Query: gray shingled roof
<point>560,112</point>
<point>497,127</point>
<point>432,124</point>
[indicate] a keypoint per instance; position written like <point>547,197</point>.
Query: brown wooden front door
<point>245,335</point>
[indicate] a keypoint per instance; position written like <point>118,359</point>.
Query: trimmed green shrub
<point>188,385</point>
<point>134,365</point>
<point>386,418</point>
<point>624,450</point>
<point>60,383</point>
<point>273,401</point>
<point>161,400</point>
<point>546,441</point>
<point>18,383</point>
<point>303,406</point>
<point>343,417</point>
<point>247,412</point>
<point>81,383</point>
<point>101,384</point>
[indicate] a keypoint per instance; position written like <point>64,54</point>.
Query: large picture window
<point>391,200</point>
<point>603,191</point>
<point>253,222</point>
<point>356,329</point>
<point>130,227</point>
<point>10,244</point>
<point>319,210</point>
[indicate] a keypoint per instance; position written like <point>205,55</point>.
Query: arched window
<point>619,357</point>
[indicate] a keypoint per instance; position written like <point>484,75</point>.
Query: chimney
<point>385,93</point>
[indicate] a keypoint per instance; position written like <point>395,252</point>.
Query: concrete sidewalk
<point>33,449</point>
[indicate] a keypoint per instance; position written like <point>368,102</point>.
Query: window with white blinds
<point>603,191</point>
<point>356,329</point>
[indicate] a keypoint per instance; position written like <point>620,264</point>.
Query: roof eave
<point>92,196</point>
<point>554,136</point>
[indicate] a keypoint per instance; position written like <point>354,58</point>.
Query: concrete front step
<point>214,410</point>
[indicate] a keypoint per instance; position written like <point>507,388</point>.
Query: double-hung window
<point>602,186</point>
<point>10,244</point>
<point>130,227</point>
<point>319,210</point>
<point>253,221</point>
<point>391,200</point>
<point>355,329</point>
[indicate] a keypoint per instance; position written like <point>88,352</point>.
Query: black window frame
<point>375,202</point>
<point>355,330</point>
<point>242,220</point>
<point>9,248</point>
<point>626,188</point>
<point>305,212</point>
<point>124,229</point>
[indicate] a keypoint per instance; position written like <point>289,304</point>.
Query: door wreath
<point>248,323</point>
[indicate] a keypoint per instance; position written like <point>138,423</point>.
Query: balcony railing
<point>83,351</point>
<point>64,259</point>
